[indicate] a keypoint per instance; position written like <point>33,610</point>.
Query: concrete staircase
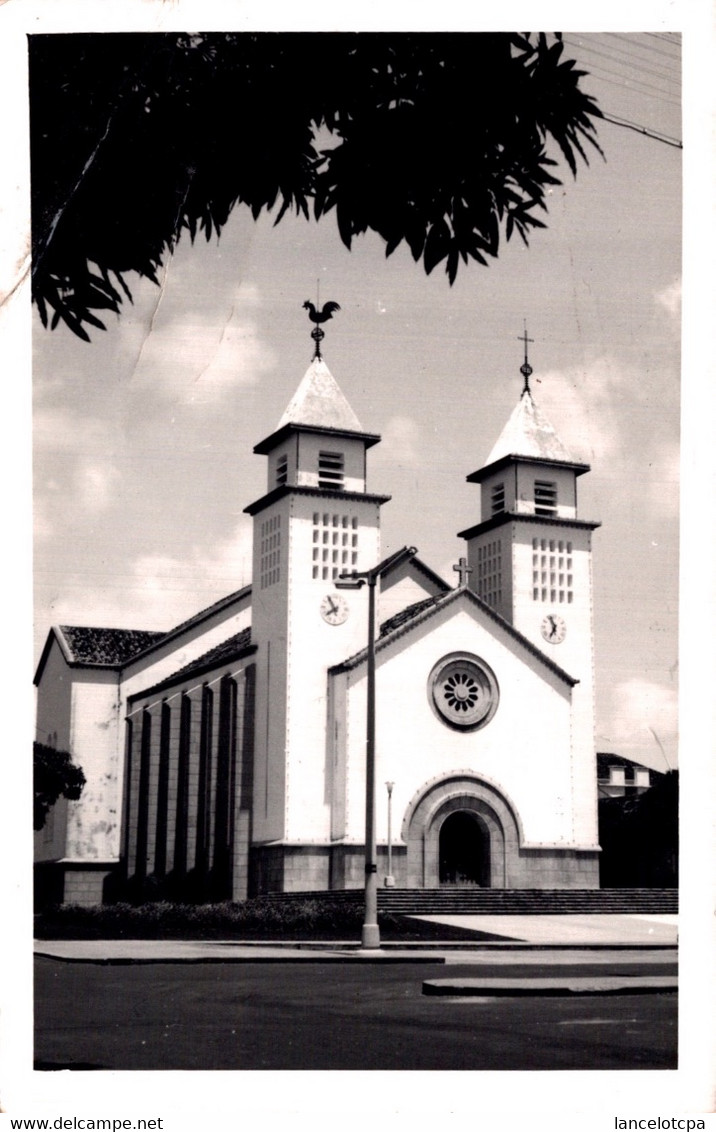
<point>473,901</point>
<point>527,902</point>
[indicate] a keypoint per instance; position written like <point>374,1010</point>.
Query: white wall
<point>525,750</point>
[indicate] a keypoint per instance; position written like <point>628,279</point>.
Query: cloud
<point>401,442</point>
<point>94,486</point>
<point>664,495</point>
<point>670,299</point>
<point>60,430</point>
<point>74,469</point>
<point>641,719</point>
<point>623,422</point>
<point>199,356</point>
<point>160,591</point>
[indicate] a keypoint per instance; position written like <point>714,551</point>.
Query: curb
<point>546,987</point>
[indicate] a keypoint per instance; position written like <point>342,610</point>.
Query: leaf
<point>42,309</point>
<point>437,245</point>
<point>75,325</point>
<point>87,317</point>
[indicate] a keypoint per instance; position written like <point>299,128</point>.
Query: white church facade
<point>226,758</point>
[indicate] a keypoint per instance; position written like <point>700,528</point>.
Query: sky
<point>143,439</point>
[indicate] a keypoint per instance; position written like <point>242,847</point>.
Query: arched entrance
<point>464,850</point>
<point>460,829</point>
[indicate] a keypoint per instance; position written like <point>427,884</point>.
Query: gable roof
<point>421,611</point>
<point>106,648</point>
<point>412,566</point>
<point>233,647</point>
<point>605,760</point>
<point>202,615</point>
<point>90,646</point>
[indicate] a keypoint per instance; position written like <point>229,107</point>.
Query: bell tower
<point>316,521</point>
<point>531,560</point>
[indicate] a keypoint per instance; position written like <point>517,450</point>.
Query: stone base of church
<point>321,868</point>
<point>554,868</point>
<point>83,882</point>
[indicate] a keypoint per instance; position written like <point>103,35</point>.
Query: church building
<point>226,758</point>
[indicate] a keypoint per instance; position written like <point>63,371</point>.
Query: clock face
<point>334,609</point>
<point>553,628</point>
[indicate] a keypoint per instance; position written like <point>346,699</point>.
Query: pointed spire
<point>528,432</point>
<point>319,402</point>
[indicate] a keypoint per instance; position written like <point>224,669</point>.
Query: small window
<point>281,471</point>
<point>331,471</point>
<point>545,499</point>
<point>498,498</point>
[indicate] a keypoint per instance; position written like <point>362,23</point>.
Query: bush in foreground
<point>259,918</point>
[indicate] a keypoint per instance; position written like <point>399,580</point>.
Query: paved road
<point>297,1015</point>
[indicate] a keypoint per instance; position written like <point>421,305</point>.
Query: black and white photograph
<point>365,566</point>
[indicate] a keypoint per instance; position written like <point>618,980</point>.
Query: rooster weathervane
<point>317,317</point>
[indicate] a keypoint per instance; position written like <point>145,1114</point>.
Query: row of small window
<point>269,564</point>
<point>328,573</point>
<point>331,471</point>
<point>545,498</point>
<point>492,597</point>
<point>551,577</point>
<point>555,561</point>
<point>492,566</point>
<point>552,544</point>
<point>555,596</point>
<point>347,557</point>
<point>335,538</point>
<point>488,584</point>
<point>269,576</point>
<point>489,550</point>
<point>334,520</point>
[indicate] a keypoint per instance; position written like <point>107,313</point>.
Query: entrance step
<point>473,901</point>
<point>535,902</point>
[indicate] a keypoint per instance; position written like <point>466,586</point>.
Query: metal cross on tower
<point>525,368</point>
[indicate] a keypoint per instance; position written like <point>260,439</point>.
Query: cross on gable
<point>462,569</point>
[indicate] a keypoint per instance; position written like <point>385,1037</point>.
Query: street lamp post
<point>390,880</point>
<point>370,935</point>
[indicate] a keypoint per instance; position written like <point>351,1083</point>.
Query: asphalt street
<point>323,1015</point>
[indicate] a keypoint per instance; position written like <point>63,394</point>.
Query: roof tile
<point>107,647</point>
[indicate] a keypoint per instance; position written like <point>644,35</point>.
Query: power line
<point>617,53</point>
<point>643,130</point>
<point>633,79</point>
<point>636,42</point>
<point>670,36</point>
<point>633,86</point>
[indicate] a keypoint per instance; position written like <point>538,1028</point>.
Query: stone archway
<point>492,840</point>
<point>464,850</point>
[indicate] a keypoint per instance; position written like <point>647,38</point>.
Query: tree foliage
<point>438,140</point>
<point>55,776</point>
<point>639,836</point>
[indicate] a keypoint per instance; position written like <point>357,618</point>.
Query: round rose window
<point>463,691</point>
